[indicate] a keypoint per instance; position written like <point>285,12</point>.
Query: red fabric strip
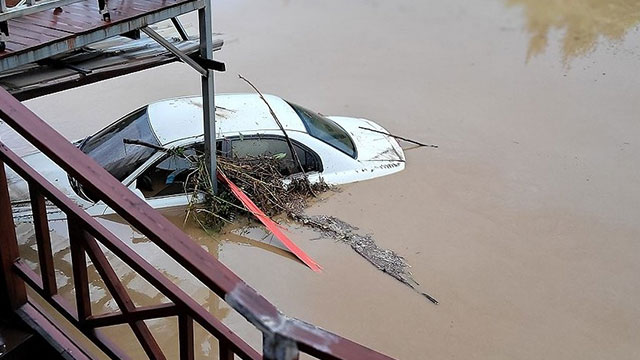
<point>270,224</point>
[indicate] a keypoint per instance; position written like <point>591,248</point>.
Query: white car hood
<point>370,144</point>
<point>378,154</point>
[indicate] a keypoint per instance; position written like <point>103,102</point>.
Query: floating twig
<point>399,137</point>
<point>294,153</point>
<point>384,260</point>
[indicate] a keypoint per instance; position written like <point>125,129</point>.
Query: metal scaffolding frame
<point>120,24</point>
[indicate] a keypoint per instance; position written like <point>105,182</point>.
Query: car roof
<point>181,118</point>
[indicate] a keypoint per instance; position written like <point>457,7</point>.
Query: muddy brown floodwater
<point>524,224</point>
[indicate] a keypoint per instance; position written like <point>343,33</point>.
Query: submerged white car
<point>338,150</point>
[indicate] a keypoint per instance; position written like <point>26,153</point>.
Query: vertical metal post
<point>208,92</point>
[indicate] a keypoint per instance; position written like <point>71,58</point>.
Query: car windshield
<point>325,130</point>
<point>108,149</point>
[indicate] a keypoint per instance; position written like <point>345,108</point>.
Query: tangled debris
<point>274,192</point>
<point>385,260</point>
<point>261,178</point>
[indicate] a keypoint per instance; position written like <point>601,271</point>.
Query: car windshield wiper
<point>143,143</point>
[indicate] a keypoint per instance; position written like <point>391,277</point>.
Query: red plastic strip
<point>270,224</point>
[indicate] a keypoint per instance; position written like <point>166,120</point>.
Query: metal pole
<point>208,92</point>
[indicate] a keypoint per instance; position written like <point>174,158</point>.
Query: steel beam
<point>208,93</point>
<point>181,30</point>
<point>174,50</point>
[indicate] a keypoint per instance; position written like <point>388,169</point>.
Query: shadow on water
<point>584,22</point>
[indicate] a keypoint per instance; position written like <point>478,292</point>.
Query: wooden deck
<point>48,33</point>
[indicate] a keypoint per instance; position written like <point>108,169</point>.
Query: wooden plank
<point>141,313</point>
<point>43,240</point>
<point>60,26</point>
<point>36,31</point>
<point>122,298</point>
<point>225,352</point>
<point>121,22</point>
<point>65,17</point>
<point>82,17</point>
<point>21,42</point>
<point>55,21</point>
<point>185,334</point>
<point>63,307</point>
<point>125,253</point>
<point>52,332</point>
<point>79,267</point>
<point>13,293</point>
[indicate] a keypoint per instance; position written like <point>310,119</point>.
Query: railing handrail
<point>138,264</point>
<point>275,326</point>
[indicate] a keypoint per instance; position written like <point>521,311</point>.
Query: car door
<point>169,181</point>
<point>275,145</point>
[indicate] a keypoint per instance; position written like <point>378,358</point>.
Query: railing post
<point>77,244</point>
<point>224,350</point>
<point>39,210</point>
<point>13,293</point>
<point>278,347</point>
<point>185,336</point>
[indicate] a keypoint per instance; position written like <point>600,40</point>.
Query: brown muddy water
<point>524,223</point>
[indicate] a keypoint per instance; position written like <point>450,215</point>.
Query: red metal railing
<point>283,337</point>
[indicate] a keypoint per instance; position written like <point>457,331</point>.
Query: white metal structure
<point>337,149</point>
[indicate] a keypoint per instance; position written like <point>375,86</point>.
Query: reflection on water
<point>141,292</point>
<point>584,23</point>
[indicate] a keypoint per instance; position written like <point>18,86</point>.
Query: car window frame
<point>297,108</point>
<point>226,146</point>
<point>160,156</point>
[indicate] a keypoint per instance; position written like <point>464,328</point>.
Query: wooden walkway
<point>47,33</point>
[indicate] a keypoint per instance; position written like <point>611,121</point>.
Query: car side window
<point>276,146</point>
<point>172,174</point>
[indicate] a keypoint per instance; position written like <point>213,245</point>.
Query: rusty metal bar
<point>121,296</point>
<point>13,293</point>
<point>174,50</point>
<point>43,239</point>
<point>185,333</point>
<point>79,268</point>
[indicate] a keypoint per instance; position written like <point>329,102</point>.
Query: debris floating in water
<point>385,260</point>
<point>270,224</point>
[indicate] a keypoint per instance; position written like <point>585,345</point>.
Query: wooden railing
<point>283,337</point>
